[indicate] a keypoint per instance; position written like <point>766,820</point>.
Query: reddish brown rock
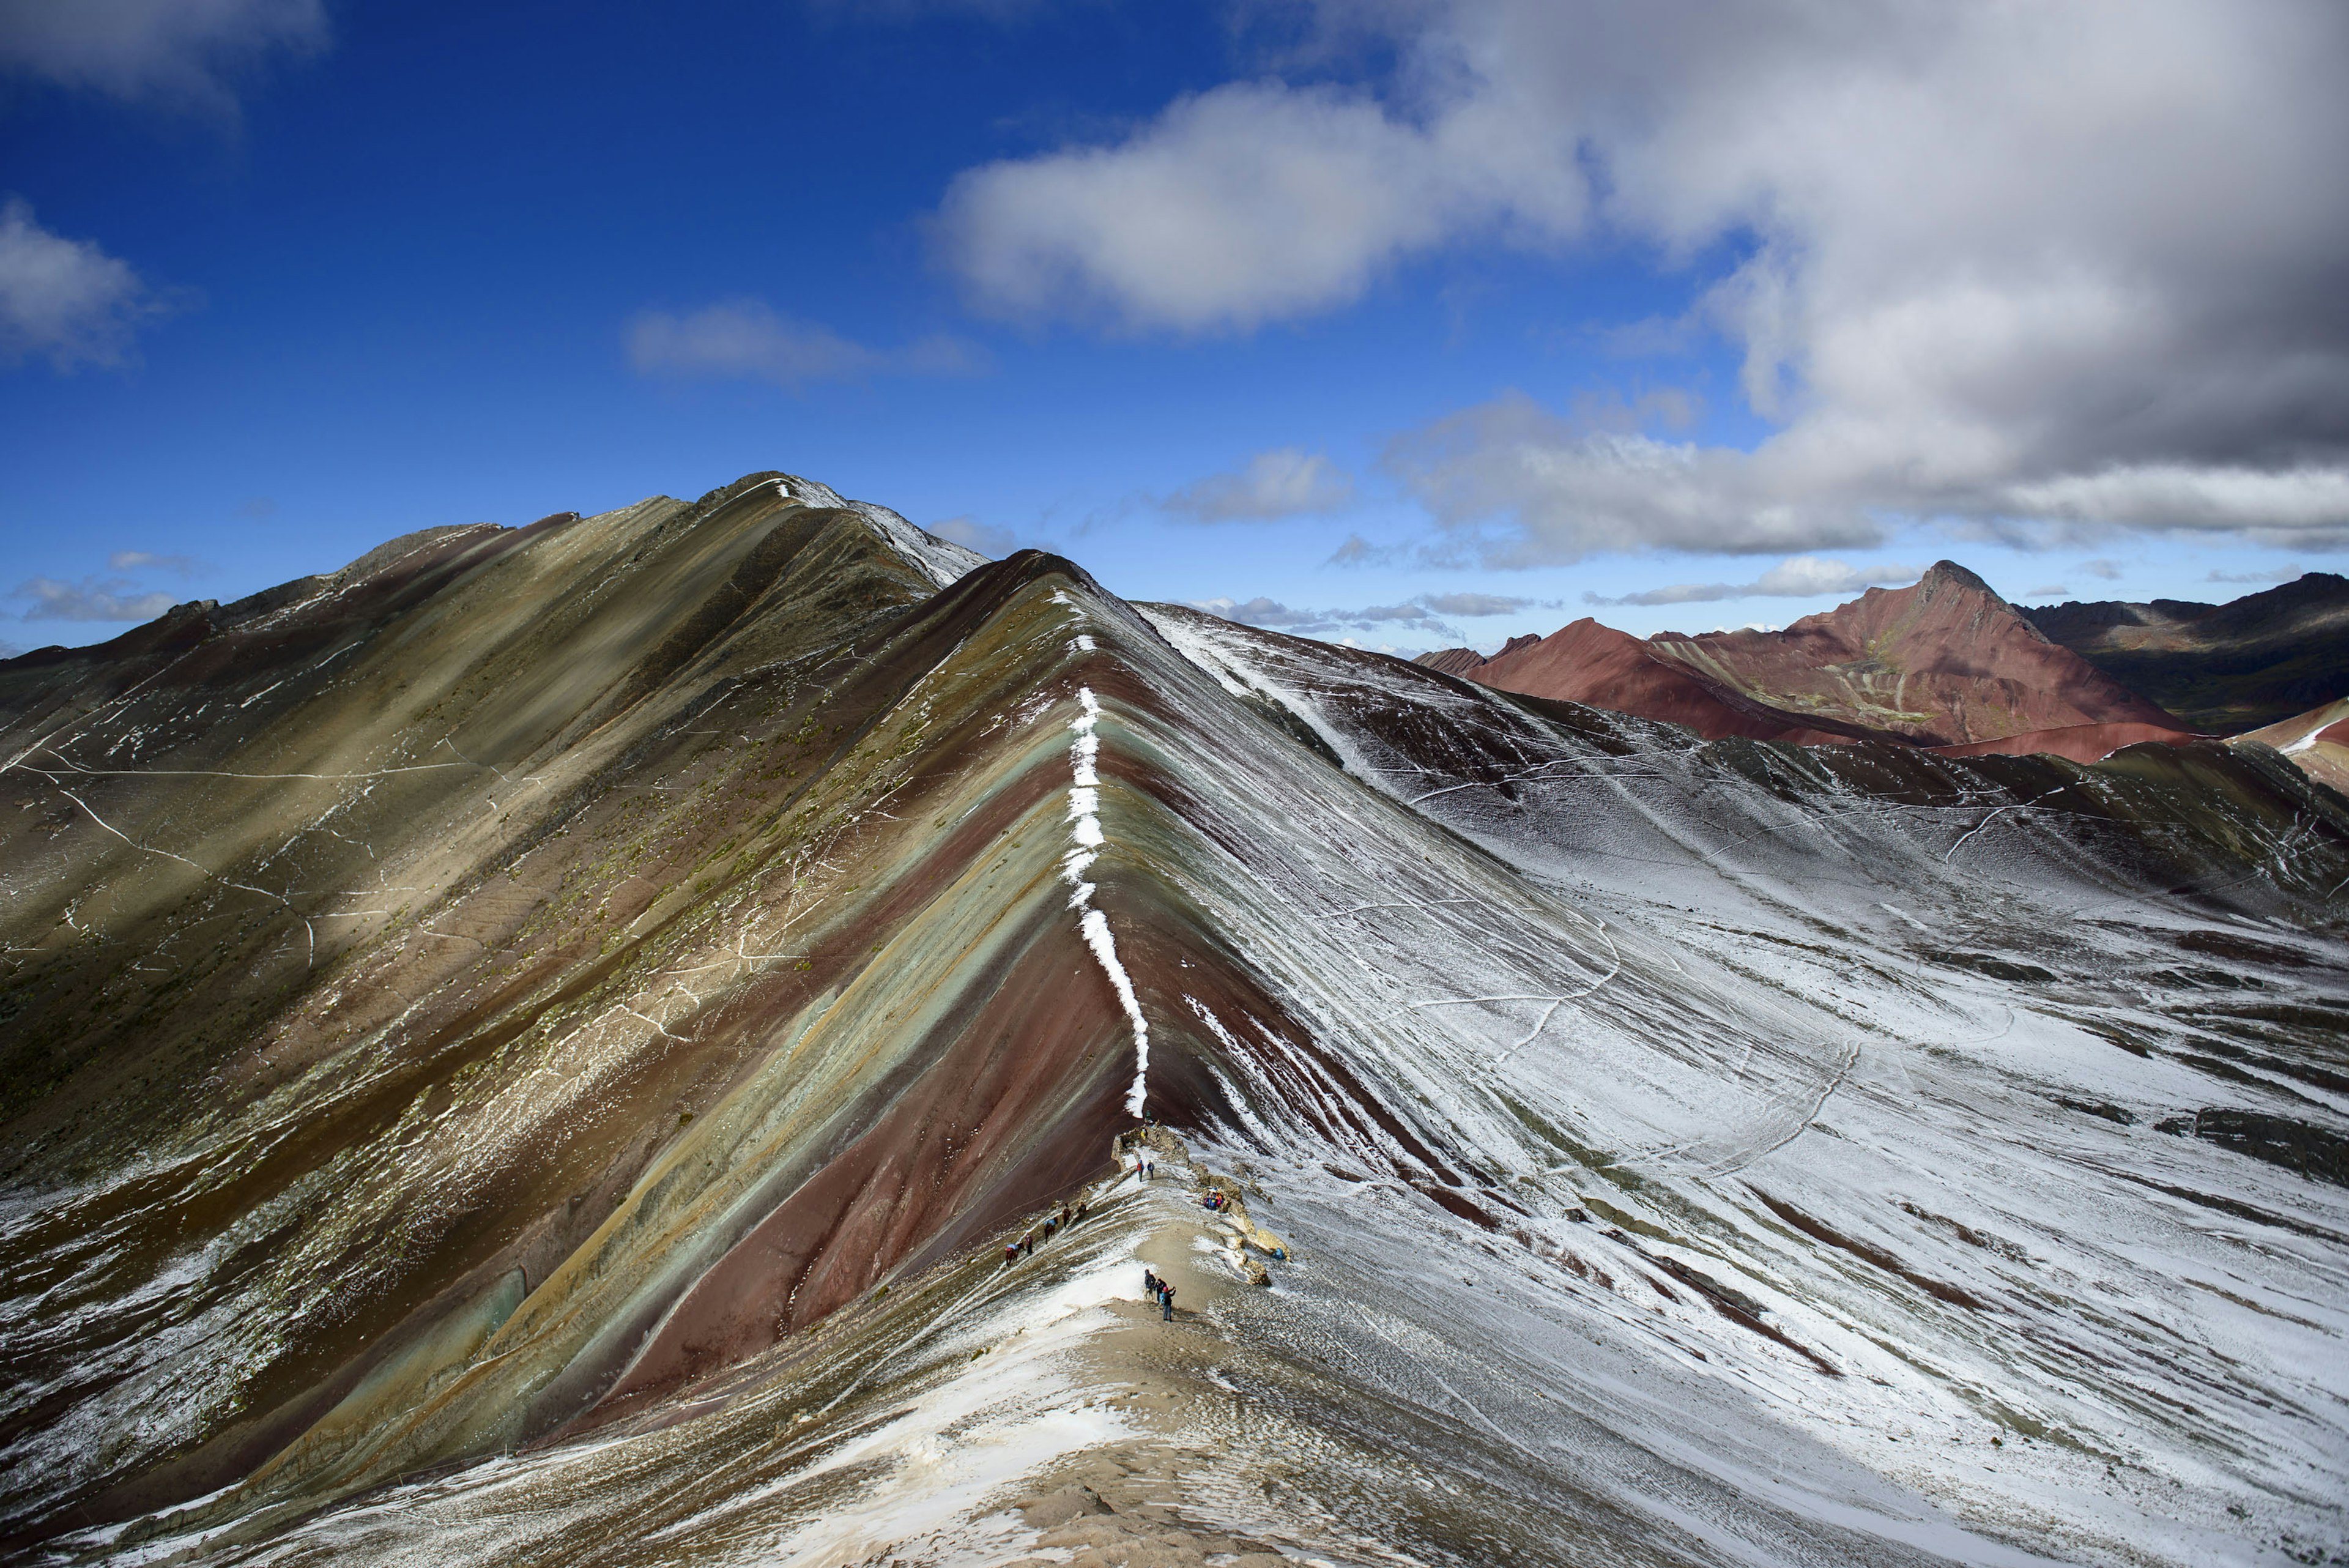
<point>2074,742</point>
<point>2317,742</point>
<point>1464,661</point>
<point>1944,662</point>
<point>1588,662</point>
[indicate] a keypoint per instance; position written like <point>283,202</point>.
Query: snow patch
<point>1084,815</point>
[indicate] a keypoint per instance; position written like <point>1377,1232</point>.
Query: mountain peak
<point>1950,572</point>
<point>1944,661</point>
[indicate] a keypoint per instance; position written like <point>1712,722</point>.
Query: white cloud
<point>92,598</point>
<point>2280,574</point>
<point>748,340</point>
<point>174,51</point>
<point>2109,571</point>
<point>1423,613</point>
<point>1254,202</point>
<point>1287,482</point>
<point>1473,605</point>
<point>65,300</point>
<point>2055,591</point>
<point>1568,490</point>
<point>1260,612</point>
<point>972,535</point>
<point>2046,272</point>
<point>1798,577</point>
<point>2268,507</point>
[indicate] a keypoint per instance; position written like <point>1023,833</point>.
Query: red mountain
<point>1944,662</point>
<point>1588,662</point>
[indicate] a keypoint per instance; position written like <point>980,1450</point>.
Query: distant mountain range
<point>1948,664</point>
<point>2222,668</point>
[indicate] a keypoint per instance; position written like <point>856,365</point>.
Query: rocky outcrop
<point>1452,661</point>
<point>1467,662</point>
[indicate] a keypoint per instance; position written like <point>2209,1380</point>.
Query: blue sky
<point>1414,322</point>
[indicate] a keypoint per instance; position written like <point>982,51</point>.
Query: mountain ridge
<point>538,1050</point>
<point>2252,661</point>
<point>1944,662</point>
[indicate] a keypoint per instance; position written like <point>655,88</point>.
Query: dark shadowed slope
<point>2222,668</point>
<point>484,1028</point>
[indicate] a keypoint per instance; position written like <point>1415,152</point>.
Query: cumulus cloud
<point>749,339</point>
<point>1249,202</point>
<point>972,535</point>
<point>92,598</point>
<point>66,301</point>
<point>1287,482</point>
<point>1799,578</point>
<point>2046,272</point>
<point>173,51</point>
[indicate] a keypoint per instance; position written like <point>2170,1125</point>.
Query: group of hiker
<point>1215,1201</point>
<point>1053,1225</point>
<point>1159,1291</point>
<point>1143,1168</point>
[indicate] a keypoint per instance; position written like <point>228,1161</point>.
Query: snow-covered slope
<point>1683,1152</point>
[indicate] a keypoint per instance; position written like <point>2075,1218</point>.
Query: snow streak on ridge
<point>1085,808</point>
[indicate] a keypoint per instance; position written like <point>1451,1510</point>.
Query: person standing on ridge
<point>1166,1302</point>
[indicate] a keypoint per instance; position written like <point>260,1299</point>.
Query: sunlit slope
<point>1692,1153</point>
<point>675,931</point>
